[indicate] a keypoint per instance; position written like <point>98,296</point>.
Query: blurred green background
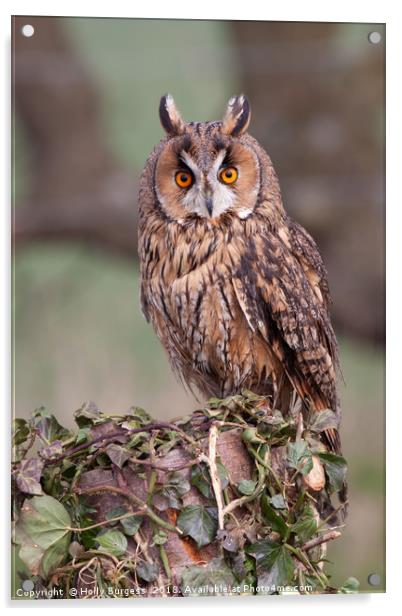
<point>86,93</point>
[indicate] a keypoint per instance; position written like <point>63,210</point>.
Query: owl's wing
<point>282,288</point>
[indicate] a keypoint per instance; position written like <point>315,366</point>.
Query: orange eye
<point>228,175</point>
<point>184,179</point>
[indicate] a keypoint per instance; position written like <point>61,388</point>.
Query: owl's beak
<point>209,205</point>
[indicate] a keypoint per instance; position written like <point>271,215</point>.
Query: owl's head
<point>206,169</point>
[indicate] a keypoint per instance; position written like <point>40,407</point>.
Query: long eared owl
<point>236,290</point>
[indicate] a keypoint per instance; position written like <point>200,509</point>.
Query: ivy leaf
<point>299,457</point>
<point>167,498</point>
<point>28,476</point>
<point>275,521</point>
<point>43,531</point>
<point>115,512</point>
<point>54,556</point>
<point>48,427</point>
<point>207,580</point>
<point>49,451</point>
<point>118,454</point>
<point>88,415</point>
<point>170,493</point>
<point>112,542</point>
<point>335,468</point>
<point>131,525</point>
<point>45,520</point>
<point>273,419</point>
<point>277,501</point>
<point>275,566</point>
<point>141,415</point>
<point>82,436</point>
<point>322,420</point>
<point>250,436</point>
<point>21,431</point>
<point>215,403</point>
<point>136,438</point>
<point>148,571</point>
<point>222,473</point>
<point>197,522</point>
<point>201,480</point>
<point>160,537</point>
<point>306,525</point>
<point>180,483</point>
<point>246,486</point>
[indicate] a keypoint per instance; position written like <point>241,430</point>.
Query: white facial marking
<point>191,164</point>
<point>223,197</point>
<point>194,198</point>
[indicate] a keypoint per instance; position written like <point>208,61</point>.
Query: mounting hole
<point>374,38</point>
<point>28,30</point>
<point>374,579</point>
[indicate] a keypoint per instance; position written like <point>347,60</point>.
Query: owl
<point>236,290</point>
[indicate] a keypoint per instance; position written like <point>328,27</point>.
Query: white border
<point>341,10</point>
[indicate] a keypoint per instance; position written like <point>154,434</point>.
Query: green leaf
<point>112,542</point>
<point>335,468</point>
<point>141,415</point>
<point>197,522</point>
<point>246,486</point>
<point>273,519</point>
<point>277,501</point>
<point>201,480</point>
<point>82,435</point>
<point>43,533</point>
<point>169,494</point>
<point>118,454</point>
<point>299,456</point>
<point>21,431</point>
<point>136,438</point>
<point>29,475</point>
<point>148,571</point>
<point>275,566</point>
<point>250,436</point>
<point>31,555</point>
<point>115,512</point>
<point>132,524</point>
<point>167,498</point>
<point>88,415</point>
<point>54,556</point>
<point>274,419</point>
<point>222,473</point>
<point>322,420</point>
<point>179,482</point>
<point>48,427</point>
<point>207,580</point>
<point>45,520</point>
<point>306,525</point>
<point>215,402</point>
<point>160,537</point>
<point>351,586</point>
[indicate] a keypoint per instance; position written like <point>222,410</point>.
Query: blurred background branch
<point>79,191</point>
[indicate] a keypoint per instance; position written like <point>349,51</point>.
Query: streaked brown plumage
<point>236,290</point>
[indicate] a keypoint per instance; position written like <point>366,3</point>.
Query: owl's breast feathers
<point>242,304</point>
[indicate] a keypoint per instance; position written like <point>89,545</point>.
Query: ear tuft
<point>170,117</point>
<point>237,116</point>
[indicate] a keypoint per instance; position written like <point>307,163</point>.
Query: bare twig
<point>333,534</point>
<point>213,469</point>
